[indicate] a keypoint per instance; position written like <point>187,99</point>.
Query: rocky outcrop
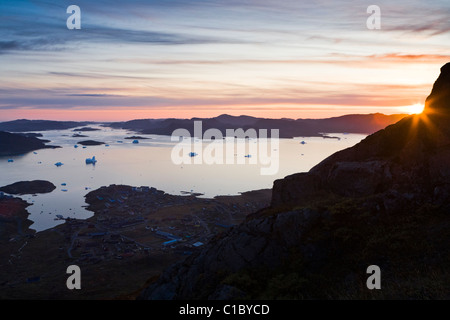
<point>384,201</point>
<point>13,218</point>
<point>263,242</point>
<point>404,156</point>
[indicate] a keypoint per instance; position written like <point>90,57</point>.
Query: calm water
<point>148,163</point>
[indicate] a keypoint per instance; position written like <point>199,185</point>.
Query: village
<point>134,233</point>
<point>136,221</point>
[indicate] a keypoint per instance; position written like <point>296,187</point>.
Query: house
<point>169,242</point>
<point>198,244</point>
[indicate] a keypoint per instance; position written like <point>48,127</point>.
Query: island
<point>90,143</point>
<point>136,138</point>
<point>86,129</point>
<point>29,187</point>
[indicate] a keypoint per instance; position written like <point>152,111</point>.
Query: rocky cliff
<point>382,202</point>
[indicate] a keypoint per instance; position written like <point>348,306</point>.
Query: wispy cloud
<point>199,54</point>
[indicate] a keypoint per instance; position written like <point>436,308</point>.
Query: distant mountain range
<point>24,125</point>
<point>289,128</point>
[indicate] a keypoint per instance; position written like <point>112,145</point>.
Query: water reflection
<point>148,163</point>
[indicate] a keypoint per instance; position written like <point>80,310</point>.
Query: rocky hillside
<point>385,202</point>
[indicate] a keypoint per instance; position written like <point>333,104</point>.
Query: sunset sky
<point>181,58</point>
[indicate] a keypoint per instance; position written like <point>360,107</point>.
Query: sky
<point>135,59</point>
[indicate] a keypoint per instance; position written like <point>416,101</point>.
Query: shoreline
<point>131,229</point>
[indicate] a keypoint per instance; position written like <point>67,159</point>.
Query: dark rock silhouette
<point>438,102</point>
<point>15,144</point>
<point>90,143</point>
<point>136,138</point>
<point>383,202</point>
<point>85,129</point>
<point>288,128</point>
<point>29,187</point>
<point>24,125</point>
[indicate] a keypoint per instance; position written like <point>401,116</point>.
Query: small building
<point>170,242</point>
<point>198,244</point>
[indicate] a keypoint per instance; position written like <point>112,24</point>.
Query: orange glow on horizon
<point>415,108</point>
<point>263,111</point>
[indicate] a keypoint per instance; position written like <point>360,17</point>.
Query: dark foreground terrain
<point>128,242</point>
<point>384,202</point>
<point>14,144</point>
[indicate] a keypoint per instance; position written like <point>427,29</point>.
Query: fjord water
<point>148,163</point>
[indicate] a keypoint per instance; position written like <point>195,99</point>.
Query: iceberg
<point>75,146</point>
<point>192,154</point>
<point>303,142</point>
<point>10,160</point>
<point>91,160</point>
<point>59,164</point>
<point>135,141</point>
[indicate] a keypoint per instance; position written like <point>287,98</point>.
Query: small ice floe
<point>106,145</point>
<point>64,184</point>
<point>91,160</point>
<point>34,152</point>
<point>59,164</point>
<point>192,154</point>
<point>64,190</point>
<point>248,156</point>
<point>84,147</point>
<point>119,141</point>
<point>10,160</point>
<point>135,141</point>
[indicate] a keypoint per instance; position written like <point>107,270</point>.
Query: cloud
<point>199,53</point>
<point>404,57</point>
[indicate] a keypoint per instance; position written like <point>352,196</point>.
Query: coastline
<point>122,247</point>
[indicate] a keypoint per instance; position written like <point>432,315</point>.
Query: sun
<point>415,108</point>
